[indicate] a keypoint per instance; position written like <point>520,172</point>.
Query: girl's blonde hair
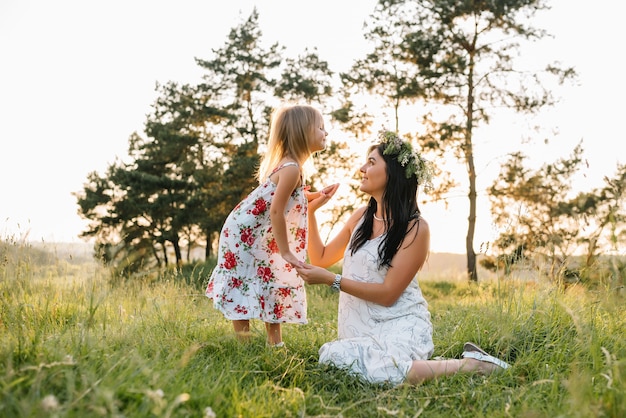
<point>290,130</point>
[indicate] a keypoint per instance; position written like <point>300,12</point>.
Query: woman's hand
<point>318,199</point>
<point>315,275</point>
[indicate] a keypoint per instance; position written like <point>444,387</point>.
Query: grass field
<point>73,345</point>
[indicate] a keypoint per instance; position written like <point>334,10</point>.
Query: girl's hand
<point>315,275</point>
<point>292,259</point>
<point>318,199</point>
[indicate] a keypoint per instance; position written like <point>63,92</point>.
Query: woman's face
<point>374,174</point>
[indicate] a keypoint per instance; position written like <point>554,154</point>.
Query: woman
<point>384,328</point>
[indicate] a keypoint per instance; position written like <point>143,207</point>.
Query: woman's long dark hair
<point>400,202</point>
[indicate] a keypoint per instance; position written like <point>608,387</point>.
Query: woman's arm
<point>404,266</point>
<point>327,255</point>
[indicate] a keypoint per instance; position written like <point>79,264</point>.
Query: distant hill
<point>444,263</point>
<point>441,265</point>
<point>72,252</point>
<point>450,266</point>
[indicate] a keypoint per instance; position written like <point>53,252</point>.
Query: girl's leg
<point>422,370</point>
<point>242,329</point>
<point>274,334</point>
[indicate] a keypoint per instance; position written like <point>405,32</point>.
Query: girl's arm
<point>404,266</point>
<point>286,181</point>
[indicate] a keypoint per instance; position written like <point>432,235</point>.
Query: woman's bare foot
<point>480,367</point>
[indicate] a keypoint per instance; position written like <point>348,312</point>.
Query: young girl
<point>265,236</point>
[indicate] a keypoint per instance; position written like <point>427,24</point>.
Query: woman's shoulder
<point>358,213</point>
<point>418,227</point>
<point>356,217</point>
<point>419,220</point>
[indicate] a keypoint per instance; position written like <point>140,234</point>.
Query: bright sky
<point>77,78</point>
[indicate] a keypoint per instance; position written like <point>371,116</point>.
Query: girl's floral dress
<point>251,280</point>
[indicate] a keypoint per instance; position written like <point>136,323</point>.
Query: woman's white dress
<point>378,343</point>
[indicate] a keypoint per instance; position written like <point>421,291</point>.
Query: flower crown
<point>414,164</point>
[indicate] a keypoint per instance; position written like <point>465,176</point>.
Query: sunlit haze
<point>77,79</point>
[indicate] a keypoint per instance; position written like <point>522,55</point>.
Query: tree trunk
<point>472,274</point>
<point>177,252</point>
<point>166,260</point>
<point>155,253</point>
<point>209,244</point>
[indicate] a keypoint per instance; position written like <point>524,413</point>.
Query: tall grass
<point>75,345</point>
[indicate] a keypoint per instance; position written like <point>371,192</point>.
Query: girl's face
<point>374,173</point>
<point>317,141</point>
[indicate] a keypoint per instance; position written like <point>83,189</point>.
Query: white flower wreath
<point>407,157</point>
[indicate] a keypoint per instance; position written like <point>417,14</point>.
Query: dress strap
<point>287,164</point>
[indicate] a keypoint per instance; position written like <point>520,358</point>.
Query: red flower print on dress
<point>260,205</point>
<point>229,260</point>
<point>262,302</point>
<point>284,292</point>
<point>246,236</point>
<point>272,246</point>
<point>279,310</point>
<point>235,282</point>
<point>265,273</point>
<point>241,309</point>
<point>301,237</point>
